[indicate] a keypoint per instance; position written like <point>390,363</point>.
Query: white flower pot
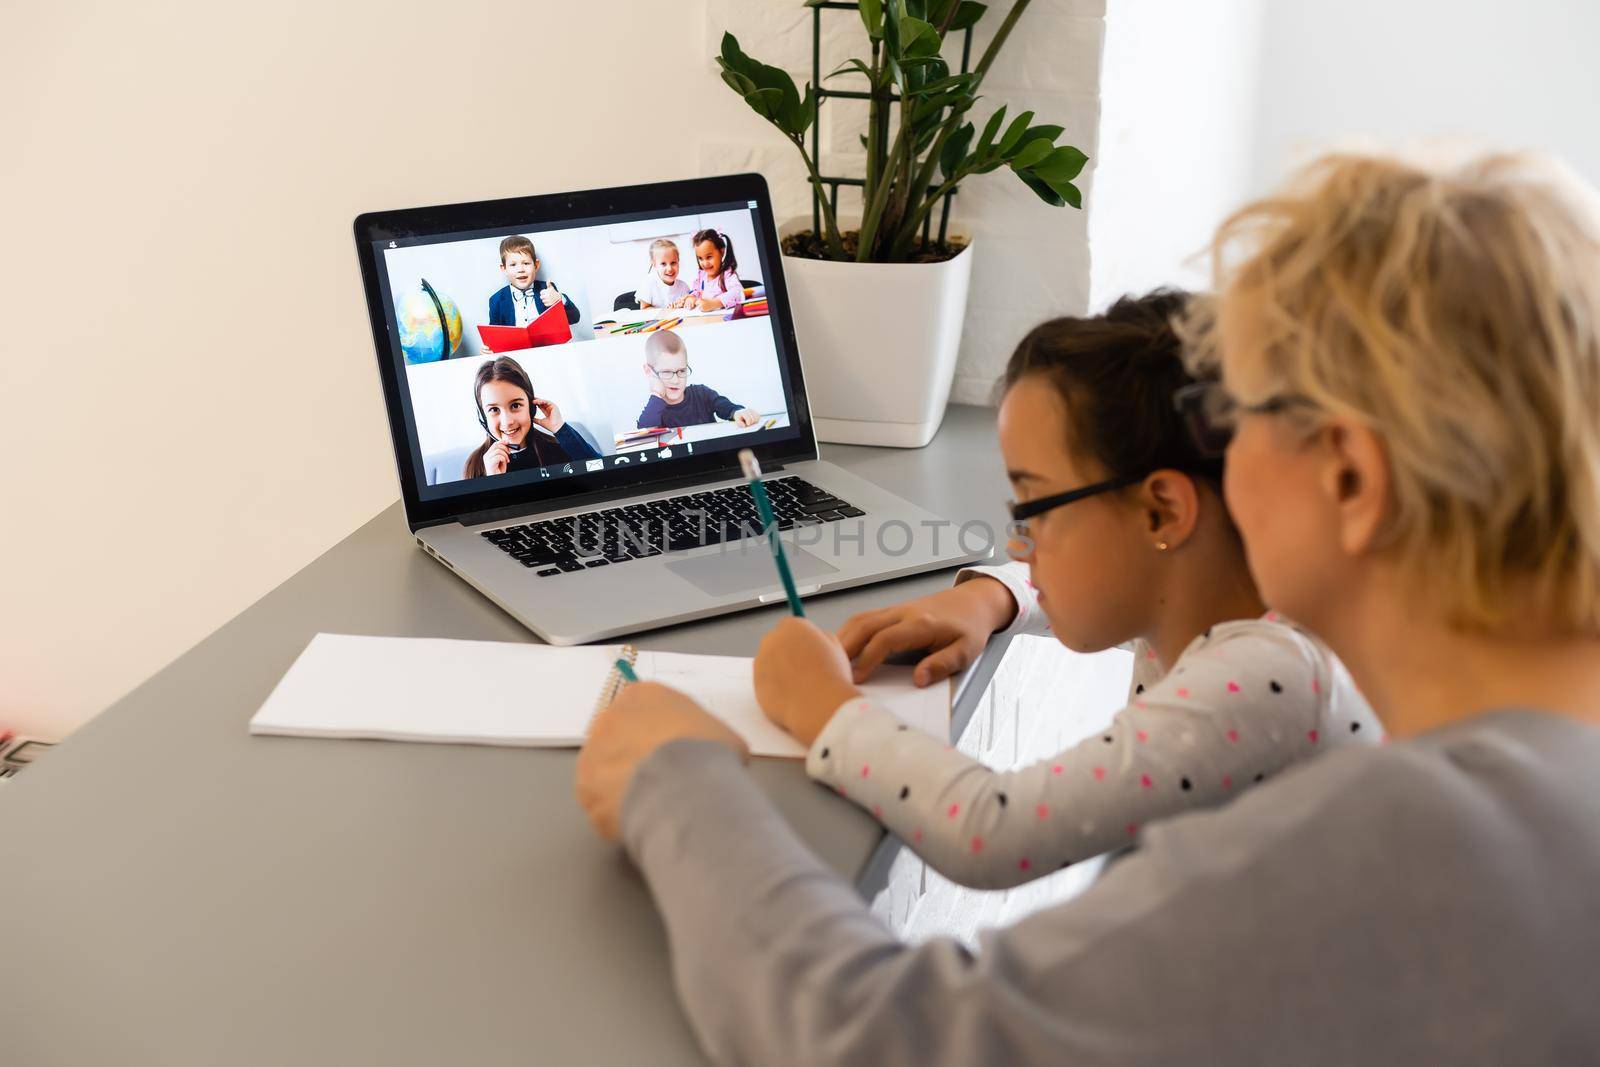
<point>878,342</point>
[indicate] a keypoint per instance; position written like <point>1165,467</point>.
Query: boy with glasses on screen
<point>673,401</point>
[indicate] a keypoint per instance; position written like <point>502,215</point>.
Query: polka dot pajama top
<point>1243,701</point>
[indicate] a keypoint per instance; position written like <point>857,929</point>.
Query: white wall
<point>1520,75</point>
<point>1178,100</point>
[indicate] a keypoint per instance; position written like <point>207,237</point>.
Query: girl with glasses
<point>1121,536</point>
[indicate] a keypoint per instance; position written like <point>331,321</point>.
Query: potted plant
<point>879,307</point>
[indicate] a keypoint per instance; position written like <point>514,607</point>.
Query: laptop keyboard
<point>639,531</point>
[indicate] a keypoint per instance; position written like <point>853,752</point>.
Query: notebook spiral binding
<point>608,692</point>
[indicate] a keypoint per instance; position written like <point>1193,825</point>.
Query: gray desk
<point>176,892</point>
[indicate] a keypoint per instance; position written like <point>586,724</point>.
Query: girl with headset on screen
<point>508,411</point>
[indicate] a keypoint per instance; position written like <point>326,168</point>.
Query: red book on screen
<point>550,328</point>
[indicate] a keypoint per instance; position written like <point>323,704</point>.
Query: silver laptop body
<point>628,538</point>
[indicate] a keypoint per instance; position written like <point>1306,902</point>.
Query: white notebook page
<point>506,693</point>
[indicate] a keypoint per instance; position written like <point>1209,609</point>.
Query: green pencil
<point>752,471</point>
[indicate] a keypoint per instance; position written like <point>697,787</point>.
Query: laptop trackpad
<point>740,570</point>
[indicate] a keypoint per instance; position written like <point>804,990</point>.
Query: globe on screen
<point>430,325</point>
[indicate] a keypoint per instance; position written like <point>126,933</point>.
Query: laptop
<point>592,488</point>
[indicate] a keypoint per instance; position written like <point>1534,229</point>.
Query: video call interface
<point>531,356</point>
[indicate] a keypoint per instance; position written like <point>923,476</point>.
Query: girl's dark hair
<point>724,245</point>
<point>501,369</point>
<point>1117,373</point>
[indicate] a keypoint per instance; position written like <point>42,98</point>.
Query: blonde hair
<point>664,343</point>
<point>1456,311</point>
<point>661,244</point>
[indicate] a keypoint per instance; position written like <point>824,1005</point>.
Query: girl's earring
<point>1161,546</point>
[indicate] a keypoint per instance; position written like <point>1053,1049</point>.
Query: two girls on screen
<point>716,285</point>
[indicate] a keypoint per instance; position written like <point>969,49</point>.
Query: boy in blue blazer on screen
<point>523,300</point>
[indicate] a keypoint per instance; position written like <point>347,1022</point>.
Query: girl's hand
<point>644,717</point>
<point>497,459</point>
<point>705,303</point>
<point>547,414</point>
<point>746,417</point>
<point>801,677</point>
<point>953,625</point>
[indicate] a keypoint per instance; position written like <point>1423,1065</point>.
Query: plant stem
<point>873,212</point>
<point>925,205</point>
<point>835,242</point>
<point>951,124</point>
<point>874,134</point>
<point>899,195</point>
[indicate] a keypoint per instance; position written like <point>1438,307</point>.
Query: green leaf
<point>967,15</point>
<point>738,82</point>
<point>1013,135</point>
<point>1034,133</point>
<point>731,53</point>
<point>808,110</point>
<point>954,81</point>
<point>849,65</point>
<point>918,39</point>
<point>990,128</point>
<point>1061,165</point>
<point>766,102</point>
<point>891,32</point>
<point>955,149</point>
<point>872,18</point>
<point>1047,194</point>
<point>1029,154</point>
<point>1068,192</point>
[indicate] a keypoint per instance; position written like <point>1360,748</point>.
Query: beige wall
<point>188,406</point>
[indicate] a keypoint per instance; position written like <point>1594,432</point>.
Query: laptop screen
<point>629,344</point>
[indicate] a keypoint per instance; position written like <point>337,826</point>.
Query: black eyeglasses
<point>1021,513</point>
<point>1210,413</point>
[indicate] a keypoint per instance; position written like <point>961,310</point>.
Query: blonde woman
<point>1411,363</point>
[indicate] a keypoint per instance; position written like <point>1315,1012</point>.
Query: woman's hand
<point>547,414</point>
<point>497,459</point>
<point>802,676</point>
<point>953,625</point>
<point>644,717</point>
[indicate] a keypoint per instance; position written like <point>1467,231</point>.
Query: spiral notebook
<point>501,693</point>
